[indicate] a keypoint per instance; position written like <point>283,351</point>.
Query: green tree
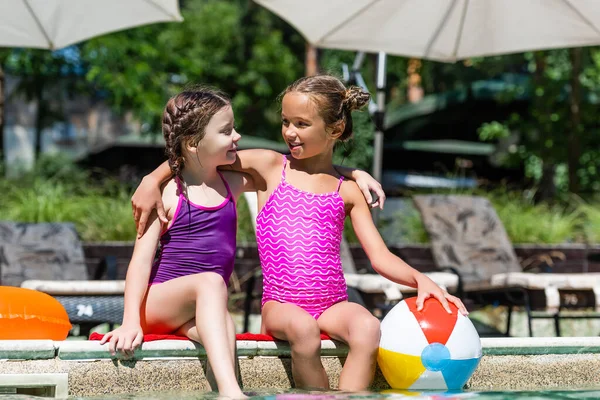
<point>558,137</point>
<point>44,77</point>
<point>233,45</point>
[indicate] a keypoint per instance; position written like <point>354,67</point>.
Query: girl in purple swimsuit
<point>185,290</point>
<point>303,202</point>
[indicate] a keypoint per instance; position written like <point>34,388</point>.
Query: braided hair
<point>184,119</point>
<point>333,100</point>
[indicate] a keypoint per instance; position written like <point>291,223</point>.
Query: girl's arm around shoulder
<point>383,260</point>
<point>239,182</point>
<point>366,183</point>
<point>259,164</point>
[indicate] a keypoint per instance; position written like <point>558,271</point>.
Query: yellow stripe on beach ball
<point>400,370</point>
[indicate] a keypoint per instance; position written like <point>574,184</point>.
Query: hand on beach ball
<point>428,349</point>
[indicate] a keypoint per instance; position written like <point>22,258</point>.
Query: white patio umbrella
<point>442,30</point>
<point>52,24</point>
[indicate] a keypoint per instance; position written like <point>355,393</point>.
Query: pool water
<point>388,395</point>
<point>587,394</point>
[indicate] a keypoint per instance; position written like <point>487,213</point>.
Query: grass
<point>526,222</point>
<point>98,214</point>
<point>591,225</point>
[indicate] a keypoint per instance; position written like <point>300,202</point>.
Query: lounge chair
<point>49,257</point>
<point>359,285</point>
<point>467,235</point>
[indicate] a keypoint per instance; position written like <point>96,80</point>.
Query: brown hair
<point>333,100</point>
<point>184,119</point>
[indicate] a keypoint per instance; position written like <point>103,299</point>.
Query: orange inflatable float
<point>29,314</point>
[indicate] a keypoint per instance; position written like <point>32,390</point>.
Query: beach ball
<point>428,349</point>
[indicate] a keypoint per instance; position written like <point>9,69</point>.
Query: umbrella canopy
<point>443,30</point>
<point>52,24</point>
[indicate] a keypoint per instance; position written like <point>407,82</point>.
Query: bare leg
<point>171,306</point>
<point>356,326</point>
<point>189,330</point>
<point>231,336</point>
<point>290,322</point>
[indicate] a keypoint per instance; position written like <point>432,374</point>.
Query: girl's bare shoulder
<point>350,192</point>
<point>170,195</point>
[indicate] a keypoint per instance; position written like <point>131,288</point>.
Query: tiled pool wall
<point>173,365</point>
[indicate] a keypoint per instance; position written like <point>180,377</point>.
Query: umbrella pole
<point>379,117</point>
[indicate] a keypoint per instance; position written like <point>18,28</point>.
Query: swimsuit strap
<point>283,171</point>
<point>340,183</point>
<point>226,184</point>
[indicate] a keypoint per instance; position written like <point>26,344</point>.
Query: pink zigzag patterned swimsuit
<point>299,235</point>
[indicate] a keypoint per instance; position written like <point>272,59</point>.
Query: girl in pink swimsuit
<point>299,229</point>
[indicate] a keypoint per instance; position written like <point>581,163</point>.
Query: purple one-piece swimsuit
<point>201,239</point>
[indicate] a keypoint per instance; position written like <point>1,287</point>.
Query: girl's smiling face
<point>219,144</point>
<point>302,128</point>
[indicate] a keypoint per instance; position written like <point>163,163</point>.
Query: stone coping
<point>179,366</point>
<point>169,349</point>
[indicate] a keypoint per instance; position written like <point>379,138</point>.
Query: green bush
<point>524,221</point>
<point>97,214</point>
<point>591,222</point>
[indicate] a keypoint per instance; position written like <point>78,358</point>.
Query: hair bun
<point>355,98</point>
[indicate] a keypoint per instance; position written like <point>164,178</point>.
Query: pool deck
<point>175,365</point>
